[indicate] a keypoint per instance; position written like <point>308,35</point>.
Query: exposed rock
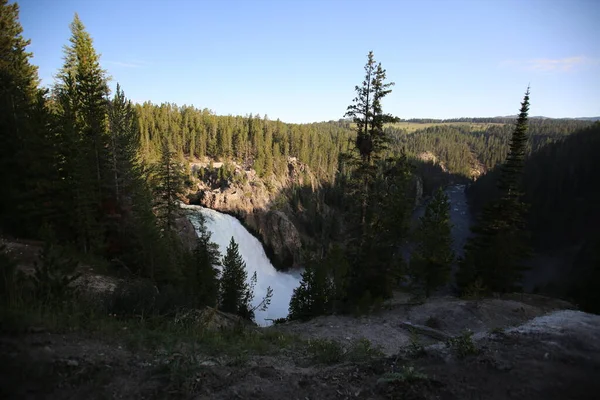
<point>96,284</point>
<point>416,189</point>
<point>428,156</point>
<point>279,234</point>
<point>254,200</point>
<point>186,232</point>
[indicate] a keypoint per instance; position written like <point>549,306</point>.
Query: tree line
<point>75,173</point>
<point>253,141</point>
<point>559,185</point>
<point>102,177</point>
<point>367,268</point>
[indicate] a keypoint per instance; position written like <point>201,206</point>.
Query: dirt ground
<point>448,315</point>
<point>553,356</point>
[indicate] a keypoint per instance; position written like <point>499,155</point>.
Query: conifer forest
<point>356,208</point>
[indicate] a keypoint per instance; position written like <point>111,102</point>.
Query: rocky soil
<point>521,349</point>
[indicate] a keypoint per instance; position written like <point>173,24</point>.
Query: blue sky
<point>300,60</point>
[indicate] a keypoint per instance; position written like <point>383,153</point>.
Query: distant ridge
<point>497,119</point>
<point>542,117</point>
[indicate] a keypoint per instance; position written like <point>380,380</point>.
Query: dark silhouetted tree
<point>494,255</point>
<point>431,261</point>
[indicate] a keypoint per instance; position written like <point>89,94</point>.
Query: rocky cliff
<point>258,202</point>
<point>270,207</point>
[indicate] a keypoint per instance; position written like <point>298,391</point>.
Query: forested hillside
<point>254,141</point>
<point>463,147</point>
<point>559,184</point>
<point>88,171</point>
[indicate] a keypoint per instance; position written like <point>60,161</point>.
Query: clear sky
<point>299,60</point>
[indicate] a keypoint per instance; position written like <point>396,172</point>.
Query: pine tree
<point>235,295</point>
<point>310,299</point>
<point>432,259</point>
<point>25,155</point>
<point>202,279</point>
<point>169,185</point>
<point>512,169</point>
<point>133,236</point>
<point>495,253</point>
<point>375,187</point>
<point>323,288</point>
<point>367,113</point>
<point>81,98</point>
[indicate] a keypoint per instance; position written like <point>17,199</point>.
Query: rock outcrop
<point>279,234</point>
<point>258,203</point>
<point>186,232</point>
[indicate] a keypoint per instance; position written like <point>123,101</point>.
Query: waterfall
<point>223,227</point>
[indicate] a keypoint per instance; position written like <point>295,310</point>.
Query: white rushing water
<point>223,227</point>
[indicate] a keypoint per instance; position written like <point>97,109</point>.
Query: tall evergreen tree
<point>81,94</point>
<point>512,169</point>
<point>495,253</point>
<point>25,154</point>
<point>202,279</point>
<point>235,296</point>
<point>366,110</point>
<point>132,231</point>
<point>169,185</point>
<point>376,186</point>
<point>323,288</point>
<point>432,259</point>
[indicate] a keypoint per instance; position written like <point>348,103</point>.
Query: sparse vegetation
<point>463,344</point>
<point>325,351</point>
<point>362,350</point>
<point>408,374</point>
<point>415,348</point>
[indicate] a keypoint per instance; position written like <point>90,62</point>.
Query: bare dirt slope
<point>447,316</point>
<point>552,356</point>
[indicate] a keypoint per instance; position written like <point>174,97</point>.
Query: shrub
<point>325,351</point>
<point>363,350</point>
<point>133,298</point>
<point>415,348</point>
<point>53,276</point>
<point>463,344</point>
<point>407,374</point>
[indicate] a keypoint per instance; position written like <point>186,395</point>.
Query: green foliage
<point>474,290</point>
<point>25,150</point>
<point>81,99</point>
<point>168,188</point>
<point>362,350</point>
<point>433,257</point>
<point>496,251</point>
<point>182,371</point>
<point>322,289</point>
<point>463,344</point>
<point>325,351</point>
<point>375,189</point>
<point>407,374</point>
<point>236,293</point>
<point>54,275</point>
<point>563,212</point>
<point>202,275</point>
<point>329,351</point>
<point>415,348</point>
